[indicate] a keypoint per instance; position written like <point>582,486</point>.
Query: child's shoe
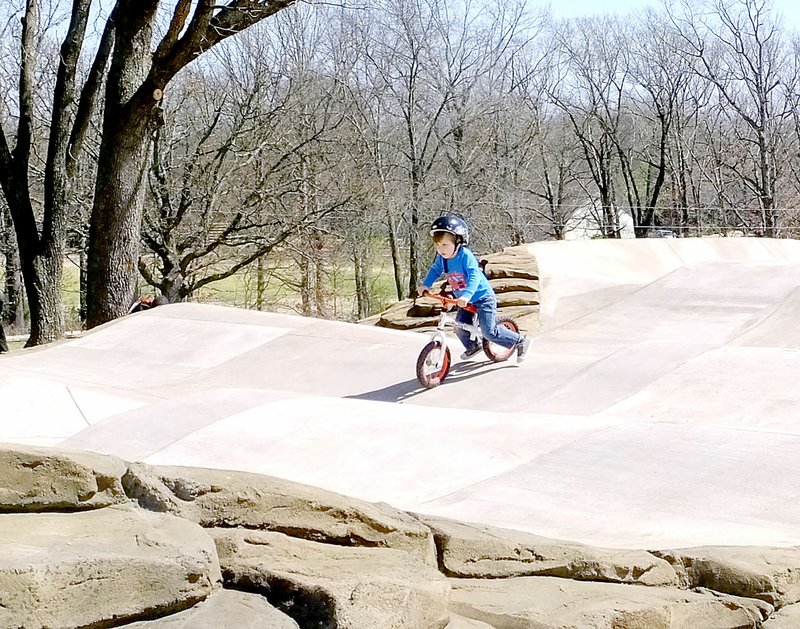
<point>522,348</point>
<point>471,352</point>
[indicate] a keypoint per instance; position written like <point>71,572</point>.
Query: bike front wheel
<point>433,364</point>
<point>498,353</point>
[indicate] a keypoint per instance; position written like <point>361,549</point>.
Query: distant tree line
<point>154,146</point>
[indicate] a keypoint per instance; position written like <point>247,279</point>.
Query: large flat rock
<point>552,603</point>
<point>216,498</point>
<point>90,568</point>
<point>226,609</point>
<point>323,585</point>
<point>769,574</point>
<point>43,479</point>
<point>473,551</point>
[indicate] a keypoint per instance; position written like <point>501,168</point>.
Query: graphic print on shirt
<point>457,280</point>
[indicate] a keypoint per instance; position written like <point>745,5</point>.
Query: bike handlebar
<point>448,301</point>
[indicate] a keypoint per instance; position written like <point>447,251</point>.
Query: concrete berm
<point>659,406</point>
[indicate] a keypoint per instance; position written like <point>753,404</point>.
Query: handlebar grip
<point>451,302</point>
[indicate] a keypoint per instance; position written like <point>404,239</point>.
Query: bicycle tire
<point>426,376</point>
<point>498,353</point>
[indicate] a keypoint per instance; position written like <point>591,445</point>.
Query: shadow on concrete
<point>411,388</point>
<point>394,393</point>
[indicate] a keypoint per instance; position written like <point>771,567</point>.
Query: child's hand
<point>421,290</point>
<point>462,303</point>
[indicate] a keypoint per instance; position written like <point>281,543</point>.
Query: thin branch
<point>89,93</point>
<point>30,27</point>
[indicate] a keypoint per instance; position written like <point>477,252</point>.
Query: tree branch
<point>89,93</point>
<point>30,26</point>
<point>147,274</point>
<point>264,249</point>
<point>6,162</point>
<point>165,48</point>
<point>205,30</point>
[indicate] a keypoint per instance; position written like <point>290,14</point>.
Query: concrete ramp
<point>658,408</point>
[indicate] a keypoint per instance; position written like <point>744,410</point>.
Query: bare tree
<point>791,167</point>
<point>362,68</point>
<point>364,170</point>
<point>594,76</point>
<point>477,47</point>
<point>738,47</point>
<point>425,71</point>
<point>402,58</point>
<point>224,184</point>
<point>659,78</point>
<point>136,82</point>
<point>135,77</point>
<point>541,147</point>
<point>42,241</point>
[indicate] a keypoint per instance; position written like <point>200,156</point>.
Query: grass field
<point>337,293</point>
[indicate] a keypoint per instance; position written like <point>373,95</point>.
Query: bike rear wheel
<point>433,364</point>
<point>498,353</point>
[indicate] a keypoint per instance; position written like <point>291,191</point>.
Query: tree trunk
<point>261,283</point>
<point>319,282</point>
<point>360,272</point>
<point>413,235</point>
<point>40,264</point>
<point>47,317</point>
<point>123,161</point>
<point>174,287</point>
<point>41,256</point>
<point>82,281</point>
<point>413,256</point>
<point>394,248</point>
<point>14,312</point>
<point>116,220</point>
<point>305,285</point>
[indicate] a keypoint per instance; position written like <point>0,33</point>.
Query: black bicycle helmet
<point>452,225</point>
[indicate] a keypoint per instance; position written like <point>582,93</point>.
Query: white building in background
<point>585,223</point>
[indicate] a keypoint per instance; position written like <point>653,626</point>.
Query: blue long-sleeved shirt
<point>463,273</point>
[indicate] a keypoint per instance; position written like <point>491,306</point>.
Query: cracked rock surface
<point>191,547</point>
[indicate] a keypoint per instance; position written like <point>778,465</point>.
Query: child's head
<point>453,226</point>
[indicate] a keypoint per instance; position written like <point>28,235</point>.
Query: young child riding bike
<point>453,259</point>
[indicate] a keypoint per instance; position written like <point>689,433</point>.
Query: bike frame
<point>447,318</point>
<point>433,362</point>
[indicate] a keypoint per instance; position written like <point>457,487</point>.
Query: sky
<point>790,9</point>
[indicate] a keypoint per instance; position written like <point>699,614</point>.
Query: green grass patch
<point>282,292</point>
<point>336,294</point>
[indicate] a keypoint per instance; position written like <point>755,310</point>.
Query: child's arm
<point>473,273</point>
<point>434,273</point>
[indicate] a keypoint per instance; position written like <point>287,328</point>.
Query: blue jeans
<point>487,320</point>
